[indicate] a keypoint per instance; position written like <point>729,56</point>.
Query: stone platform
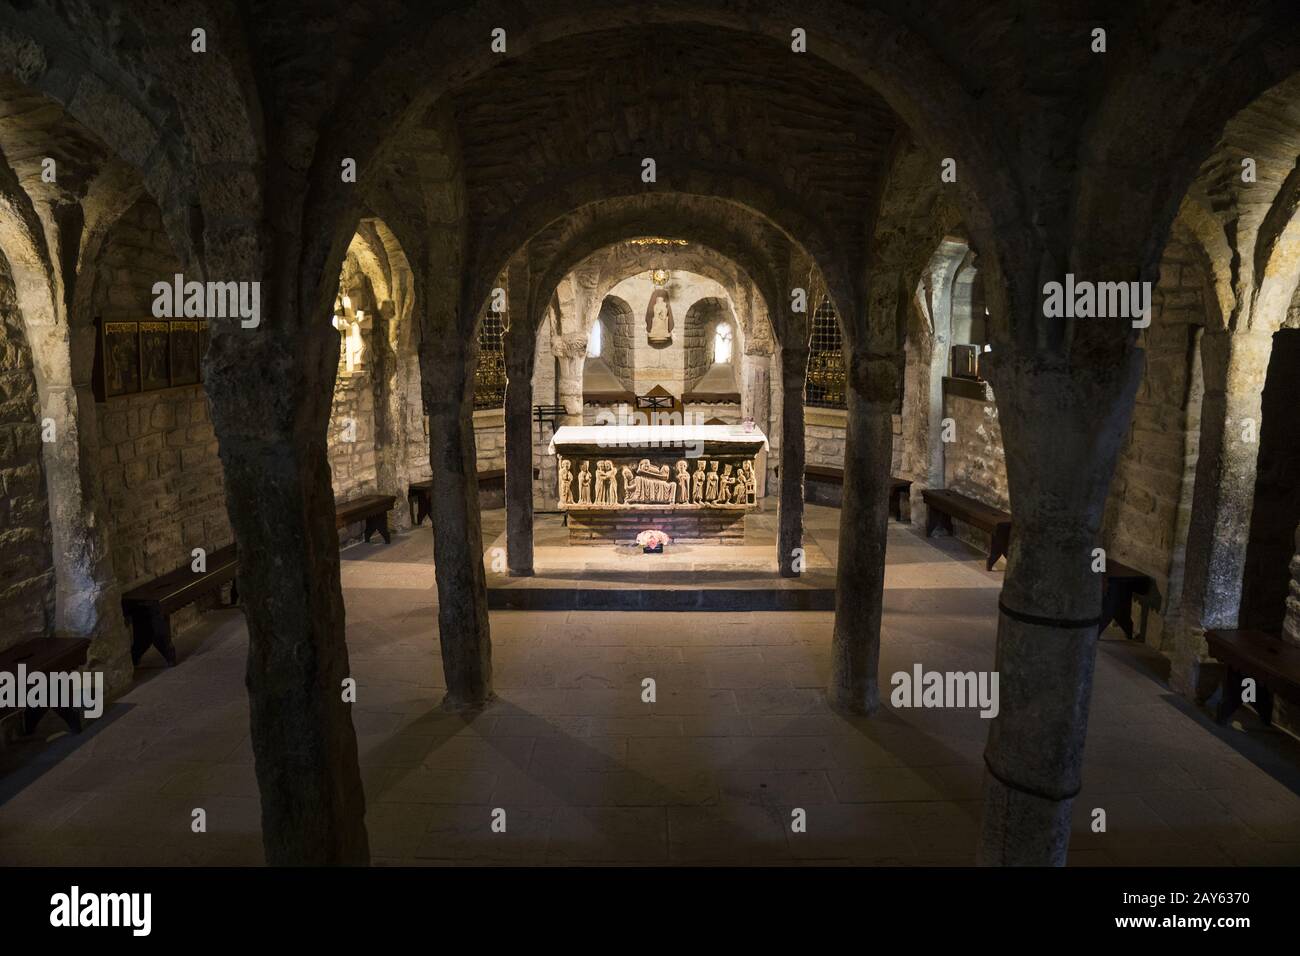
<point>740,576</point>
<point>691,525</point>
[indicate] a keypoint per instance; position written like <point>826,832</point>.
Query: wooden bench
<point>419,494</point>
<point>1121,585</point>
<point>1271,662</point>
<point>372,509</point>
<point>833,478</point>
<point>149,607</point>
<point>46,655</point>
<point>943,505</point>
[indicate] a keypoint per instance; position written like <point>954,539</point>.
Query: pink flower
<point>653,539</point>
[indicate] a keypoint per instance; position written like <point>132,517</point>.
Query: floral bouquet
<point>653,541</point>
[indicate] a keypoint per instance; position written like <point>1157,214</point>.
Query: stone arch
<point>26,552</point>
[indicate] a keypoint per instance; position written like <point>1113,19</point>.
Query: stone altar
<point>694,482</point>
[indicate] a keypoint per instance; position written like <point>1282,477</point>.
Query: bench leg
<point>1124,610</point>
<point>1229,696</point>
<point>141,637</point>
<point>161,626</point>
<point>382,521</point>
<point>425,503</point>
<point>234,592</point>
<point>1264,705</point>
<point>31,717</point>
<point>999,540</point>
<point>410,503</point>
<point>71,717</point>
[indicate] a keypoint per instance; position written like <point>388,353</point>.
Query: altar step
<point>801,595</point>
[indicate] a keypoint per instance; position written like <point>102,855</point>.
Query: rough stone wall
<point>974,462</point>
<point>490,438</point>
<point>26,559</point>
<point>1157,465</point>
<point>618,344</point>
<point>161,475</point>
<point>351,435</point>
<point>824,437</point>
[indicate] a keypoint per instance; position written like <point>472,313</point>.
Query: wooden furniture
<point>1121,585</point>
<point>943,506</point>
<point>900,490</point>
<point>149,607</point>
<point>372,509</point>
<point>419,494</point>
<point>46,655</point>
<point>824,485</point>
<point>1272,663</point>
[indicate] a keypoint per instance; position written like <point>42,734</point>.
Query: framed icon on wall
<point>155,356</point>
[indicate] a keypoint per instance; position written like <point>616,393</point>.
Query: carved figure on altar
<point>631,486</point>
<point>711,483</point>
<point>659,319</point>
<point>726,486</point>
<point>584,484</point>
<point>566,482</point>
<point>750,481</point>
<point>683,482</point>
<point>697,483</point>
<point>654,486</point>
<point>605,481</point>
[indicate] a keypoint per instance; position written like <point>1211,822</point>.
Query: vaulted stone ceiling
<point>806,133</point>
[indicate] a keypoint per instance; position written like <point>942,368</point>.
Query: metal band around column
<point>1060,622</point>
<point>1030,791</point>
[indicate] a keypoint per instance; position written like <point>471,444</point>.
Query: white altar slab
<point>715,439</point>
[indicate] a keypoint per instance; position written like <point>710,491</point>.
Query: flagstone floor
<point>739,738</point>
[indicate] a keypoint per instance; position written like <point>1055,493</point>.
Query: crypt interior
<point>361,569</point>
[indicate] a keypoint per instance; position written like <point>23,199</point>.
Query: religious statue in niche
<point>659,320</point>
<point>354,346</point>
<point>697,482</point>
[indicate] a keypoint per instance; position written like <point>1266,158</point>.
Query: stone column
<point>789,538</point>
<point>1291,629</point>
<point>1063,427</point>
<point>1219,528</point>
<point>447,365</point>
<point>270,396</point>
<point>520,345</point>
<point>572,353</point>
<point>864,521</point>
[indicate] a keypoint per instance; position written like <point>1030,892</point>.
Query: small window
<point>594,341</point>
<point>722,344</point>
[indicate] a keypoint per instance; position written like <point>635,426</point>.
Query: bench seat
<point>372,509</point>
<point>942,505</point>
<point>149,606</point>
<point>46,655</point>
<point>1271,662</point>
<point>491,484</point>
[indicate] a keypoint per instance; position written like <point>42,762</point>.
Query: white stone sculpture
<point>711,483</point>
<point>683,483</point>
<point>605,482</point>
<point>584,484</point>
<point>697,482</point>
<point>566,482</point>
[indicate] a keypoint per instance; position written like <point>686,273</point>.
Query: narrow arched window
<point>594,341</point>
<point>722,344</point>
